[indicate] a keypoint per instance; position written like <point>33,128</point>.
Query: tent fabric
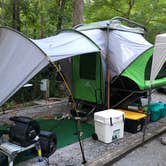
<point>159,56</point>
<point>136,71</point>
<point>112,25</point>
<point>65,45</point>
<point>21,58</point>
<point>124,47</point>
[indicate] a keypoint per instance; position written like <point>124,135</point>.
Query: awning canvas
<point>22,58</point>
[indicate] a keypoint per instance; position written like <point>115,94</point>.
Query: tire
<point>95,137</point>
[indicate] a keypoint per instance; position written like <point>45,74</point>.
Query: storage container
<point>109,125</point>
<point>157,111</point>
<point>163,111</point>
<point>133,121</point>
<point>155,115</point>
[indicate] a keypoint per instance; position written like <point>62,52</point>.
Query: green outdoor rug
<point>65,130</point>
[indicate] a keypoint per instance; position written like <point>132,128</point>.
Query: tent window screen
<point>88,66</point>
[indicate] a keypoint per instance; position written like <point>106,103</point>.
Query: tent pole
<point>108,70</point>
<point>79,129</point>
<point>147,115</point>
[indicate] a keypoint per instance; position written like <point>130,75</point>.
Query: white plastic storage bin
<point>109,125</point>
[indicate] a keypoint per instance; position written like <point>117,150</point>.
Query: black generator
<point>23,131</point>
<point>48,142</point>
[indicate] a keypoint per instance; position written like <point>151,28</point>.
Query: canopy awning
<point>22,58</point>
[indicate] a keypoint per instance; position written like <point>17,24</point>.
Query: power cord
<point>46,160</point>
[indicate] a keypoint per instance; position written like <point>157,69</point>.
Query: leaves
<point>150,13</point>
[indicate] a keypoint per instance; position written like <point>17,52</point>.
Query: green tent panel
<point>88,82</point>
<point>137,71</point>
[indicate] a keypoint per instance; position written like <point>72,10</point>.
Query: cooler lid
<point>109,116</point>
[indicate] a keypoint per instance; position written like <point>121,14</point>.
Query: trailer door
<point>87,78</point>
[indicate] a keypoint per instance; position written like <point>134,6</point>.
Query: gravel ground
<point>151,154</point>
<point>42,110</point>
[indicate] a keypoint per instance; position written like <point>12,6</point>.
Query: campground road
<point>152,153</point>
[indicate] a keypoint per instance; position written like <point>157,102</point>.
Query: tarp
<point>21,58</point>
<point>67,44</point>
<point>159,56</point>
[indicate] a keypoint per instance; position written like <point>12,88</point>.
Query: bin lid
<point>109,116</point>
<point>132,115</point>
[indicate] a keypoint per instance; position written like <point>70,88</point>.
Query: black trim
<point>111,122</point>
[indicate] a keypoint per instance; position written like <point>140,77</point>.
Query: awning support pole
<point>108,70</point>
<point>79,129</point>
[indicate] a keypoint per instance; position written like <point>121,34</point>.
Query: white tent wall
<point>124,47</point>
<point>159,56</point>
<point>20,60</point>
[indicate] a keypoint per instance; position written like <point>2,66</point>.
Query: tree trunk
<point>3,10</point>
<point>13,13</point>
<point>41,20</point>
<point>34,20</point>
<point>61,4</point>
<point>16,14</point>
<point>130,4</point>
<point>78,9</point>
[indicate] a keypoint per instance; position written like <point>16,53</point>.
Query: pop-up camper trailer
<point>130,57</point>
<point>89,48</point>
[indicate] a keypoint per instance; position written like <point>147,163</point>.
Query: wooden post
<point>108,70</point>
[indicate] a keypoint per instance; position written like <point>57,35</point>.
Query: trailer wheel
<point>95,137</point>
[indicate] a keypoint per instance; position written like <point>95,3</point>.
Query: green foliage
<point>150,13</point>
<point>32,11</point>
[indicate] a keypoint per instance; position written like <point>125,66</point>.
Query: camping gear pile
<point>25,134</point>
<point>24,131</point>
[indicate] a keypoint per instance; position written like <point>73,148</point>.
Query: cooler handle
<point>111,122</point>
<point>123,118</point>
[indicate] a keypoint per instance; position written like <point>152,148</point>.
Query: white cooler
<point>109,125</point>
